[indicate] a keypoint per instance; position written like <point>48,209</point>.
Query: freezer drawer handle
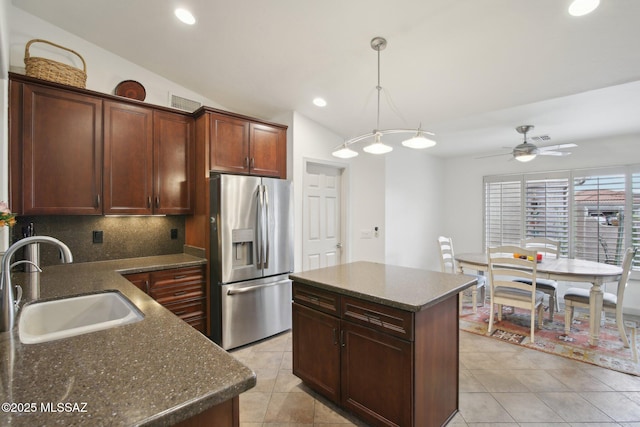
<point>254,288</point>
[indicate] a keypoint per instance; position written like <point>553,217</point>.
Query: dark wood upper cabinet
<point>173,163</point>
<point>149,161</point>
<point>268,150</point>
<point>128,159</point>
<point>229,144</point>
<point>61,152</point>
<point>57,139</point>
<point>73,151</point>
<point>241,146</point>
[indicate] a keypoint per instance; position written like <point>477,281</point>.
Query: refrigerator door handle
<point>259,229</point>
<point>265,261</point>
<point>254,288</point>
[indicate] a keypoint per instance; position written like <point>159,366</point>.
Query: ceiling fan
<point>528,151</point>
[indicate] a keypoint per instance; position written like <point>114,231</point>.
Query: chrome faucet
<point>8,307</point>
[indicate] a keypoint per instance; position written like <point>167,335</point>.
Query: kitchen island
<point>156,372</point>
<point>381,341</point>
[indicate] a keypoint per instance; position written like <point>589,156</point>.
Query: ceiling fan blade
<point>553,153</point>
<point>493,155</point>
<point>556,147</point>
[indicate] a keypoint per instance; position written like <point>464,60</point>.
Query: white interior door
<point>322,216</point>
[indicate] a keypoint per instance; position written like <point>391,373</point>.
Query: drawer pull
<point>181,276</point>
<point>180,313</point>
<point>342,343</point>
<point>179,293</point>
<point>335,336</point>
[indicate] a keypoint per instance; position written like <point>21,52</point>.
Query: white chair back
<point>447,257</point>
<point>544,245</point>
<point>629,254</point>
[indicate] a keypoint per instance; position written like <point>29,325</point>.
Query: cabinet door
<point>316,350</point>
<point>174,163</point>
<point>377,379</point>
<point>229,144</point>
<point>62,157</point>
<point>268,147</point>
<point>128,159</point>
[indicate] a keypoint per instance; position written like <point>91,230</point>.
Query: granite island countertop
<point>405,288</point>
<point>155,372</point>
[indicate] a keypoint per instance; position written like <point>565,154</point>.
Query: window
<point>598,219</point>
<point>503,217</point>
<point>594,214</point>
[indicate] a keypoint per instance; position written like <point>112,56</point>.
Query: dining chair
<point>550,249</point>
<point>503,269</point>
<point>448,265</point>
<point>611,303</point>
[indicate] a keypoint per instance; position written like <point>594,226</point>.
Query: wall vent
<point>185,104</point>
<point>540,138</point>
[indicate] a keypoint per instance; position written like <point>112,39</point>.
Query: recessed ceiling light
<point>185,16</point>
<point>583,7</point>
<point>320,102</point>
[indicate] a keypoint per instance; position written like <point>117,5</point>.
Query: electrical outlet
<point>98,236</point>
<point>174,233</point>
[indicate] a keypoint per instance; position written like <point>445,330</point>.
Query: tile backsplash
<point>122,237</point>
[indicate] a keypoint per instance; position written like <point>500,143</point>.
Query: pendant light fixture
<point>419,139</point>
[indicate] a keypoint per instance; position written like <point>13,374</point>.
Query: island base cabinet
<point>388,366</point>
<point>316,352</point>
<point>376,376</point>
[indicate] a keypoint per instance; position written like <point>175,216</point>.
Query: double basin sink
<point>62,318</point>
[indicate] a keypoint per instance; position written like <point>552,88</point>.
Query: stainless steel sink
<point>62,318</point>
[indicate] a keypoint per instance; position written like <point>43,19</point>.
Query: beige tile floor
<point>500,385</point>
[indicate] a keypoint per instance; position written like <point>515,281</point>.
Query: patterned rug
<point>515,328</point>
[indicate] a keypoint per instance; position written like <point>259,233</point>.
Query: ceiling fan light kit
<point>583,7</point>
<point>418,141</point>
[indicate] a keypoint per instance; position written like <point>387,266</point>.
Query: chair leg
<point>568,318</point>
<point>623,333</point>
<point>552,305</point>
<point>483,294</point>
<point>460,296</point>
<point>474,299</point>
<point>490,319</point>
<point>533,325</point>
<point>540,316</point>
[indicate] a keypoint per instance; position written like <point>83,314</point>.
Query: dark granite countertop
<point>155,372</point>
<point>405,288</point>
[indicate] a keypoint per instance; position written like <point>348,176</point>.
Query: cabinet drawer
<point>198,323</point>
<point>319,299</point>
<point>188,308</point>
<point>380,317</point>
<point>169,286</point>
<point>177,275</point>
<point>177,292</point>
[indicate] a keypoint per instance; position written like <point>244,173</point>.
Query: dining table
<point>562,269</point>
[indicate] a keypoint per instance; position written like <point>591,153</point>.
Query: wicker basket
<point>54,71</point>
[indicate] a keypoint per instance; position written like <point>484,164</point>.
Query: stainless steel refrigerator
<point>251,258</point>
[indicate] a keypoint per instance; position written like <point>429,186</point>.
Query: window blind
<point>503,212</point>
<point>599,210</point>
<point>547,210</point>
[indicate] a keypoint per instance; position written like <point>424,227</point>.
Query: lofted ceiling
<point>468,70</point>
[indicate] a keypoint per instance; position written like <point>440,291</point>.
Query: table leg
<point>595,312</point>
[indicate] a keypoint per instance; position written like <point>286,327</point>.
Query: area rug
<point>515,328</point>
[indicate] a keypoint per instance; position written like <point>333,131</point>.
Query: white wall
<point>414,208</point>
